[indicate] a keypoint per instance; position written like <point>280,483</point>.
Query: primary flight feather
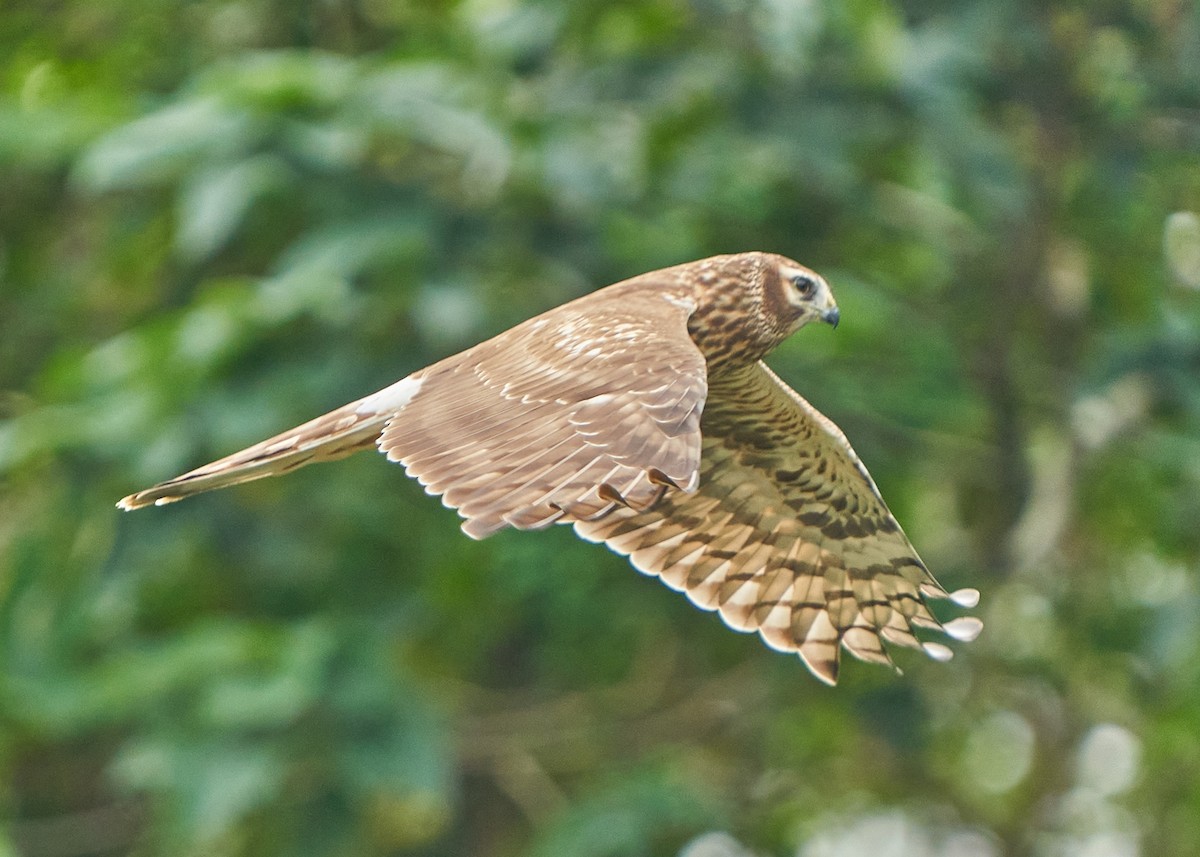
<point>642,415</point>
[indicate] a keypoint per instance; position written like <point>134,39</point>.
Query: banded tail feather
<point>337,434</point>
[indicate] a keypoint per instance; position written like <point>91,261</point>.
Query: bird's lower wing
<point>786,534</point>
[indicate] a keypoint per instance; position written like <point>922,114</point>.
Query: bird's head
<point>799,295</point>
<point>748,303</point>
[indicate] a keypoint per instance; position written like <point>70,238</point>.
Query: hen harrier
<point>642,415</point>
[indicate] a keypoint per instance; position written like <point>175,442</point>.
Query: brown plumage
<point>643,415</point>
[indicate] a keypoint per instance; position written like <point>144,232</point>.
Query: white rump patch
<point>392,398</point>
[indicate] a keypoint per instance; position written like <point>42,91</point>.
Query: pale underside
<point>603,414</point>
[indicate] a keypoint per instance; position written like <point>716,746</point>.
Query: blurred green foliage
<point>219,218</point>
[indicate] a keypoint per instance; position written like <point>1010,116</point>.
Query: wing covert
<point>566,417</point>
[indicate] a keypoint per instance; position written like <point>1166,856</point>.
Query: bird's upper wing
<point>786,534</point>
<point>590,407</point>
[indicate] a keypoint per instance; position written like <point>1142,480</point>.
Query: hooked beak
<point>831,316</point>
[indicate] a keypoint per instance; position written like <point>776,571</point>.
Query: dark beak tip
<point>831,317</point>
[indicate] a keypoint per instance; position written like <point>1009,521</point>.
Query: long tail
<point>339,433</point>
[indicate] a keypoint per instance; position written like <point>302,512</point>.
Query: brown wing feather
<point>566,417</point>
<point>786,535</point>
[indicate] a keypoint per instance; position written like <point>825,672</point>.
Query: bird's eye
<point>805,285</point>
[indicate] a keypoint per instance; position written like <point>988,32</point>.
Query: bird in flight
<point>642,414</point>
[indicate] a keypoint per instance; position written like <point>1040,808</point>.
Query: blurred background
<point>219,218</point>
